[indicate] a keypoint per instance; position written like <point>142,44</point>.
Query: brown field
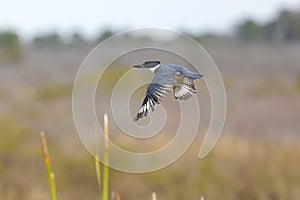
<point>257,156</point>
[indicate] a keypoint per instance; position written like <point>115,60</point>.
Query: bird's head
<point>148,64</point>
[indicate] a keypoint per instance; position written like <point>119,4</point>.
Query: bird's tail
<point>196,76</point>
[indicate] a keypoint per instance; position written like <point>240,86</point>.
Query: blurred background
<point>255,44</point>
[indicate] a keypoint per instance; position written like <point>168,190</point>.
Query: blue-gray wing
<point>157,90</point>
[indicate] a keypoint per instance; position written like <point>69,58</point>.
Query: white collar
<point>154,68</point>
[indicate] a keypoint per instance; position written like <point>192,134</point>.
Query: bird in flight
<point>167,77</point>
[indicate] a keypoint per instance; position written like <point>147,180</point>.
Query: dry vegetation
<point>257,157</point>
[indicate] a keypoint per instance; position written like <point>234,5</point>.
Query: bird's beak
<point>138,66</point>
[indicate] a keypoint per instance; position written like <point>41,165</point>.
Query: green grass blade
<point>105,192</point>
<point>50,174</point>
<point>98,172</point>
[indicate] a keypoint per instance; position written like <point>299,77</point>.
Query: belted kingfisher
<point>166,78</point>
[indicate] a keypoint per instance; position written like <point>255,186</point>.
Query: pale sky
<point>31,17</point>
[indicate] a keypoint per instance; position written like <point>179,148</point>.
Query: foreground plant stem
<point>50,173</point>
<point>105,193</point>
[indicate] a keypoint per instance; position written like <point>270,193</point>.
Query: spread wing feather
<point>154,95</point>
<point>183,88</point>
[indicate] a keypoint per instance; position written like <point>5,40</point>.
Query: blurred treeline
<point>285,27</point>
